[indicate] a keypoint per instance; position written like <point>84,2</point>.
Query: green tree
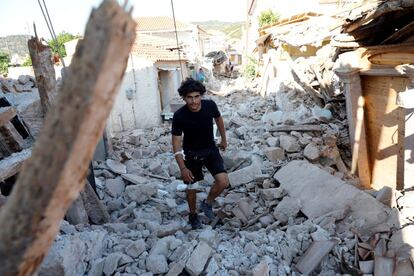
<point>57,45</point>
<point>268,17</point>
<point>27,61</point>
<point>4,62</point>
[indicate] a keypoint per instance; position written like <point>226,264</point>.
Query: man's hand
<point>222,145</point>
<point>187,175</point>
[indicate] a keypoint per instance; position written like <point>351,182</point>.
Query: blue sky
<point>17,16</point>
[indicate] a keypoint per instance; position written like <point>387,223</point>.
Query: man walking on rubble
<point>197,148</point>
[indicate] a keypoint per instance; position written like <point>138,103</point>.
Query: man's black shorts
<point>210,158</point>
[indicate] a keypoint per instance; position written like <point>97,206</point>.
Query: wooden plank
<point>393,59</point>
<point>296,128</point>
<point>6,114</point>
<point>314,255</point>
<point>53,177</point>
<point>356,120</point>
<point>389,72</point>
<point>41,55</point>
<point>10,138</point>
<point>385,127</point>
<point>11,165</point>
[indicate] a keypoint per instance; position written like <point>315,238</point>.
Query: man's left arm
<point>220,125</point>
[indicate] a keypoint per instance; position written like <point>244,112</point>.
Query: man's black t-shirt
<point>196,126</point>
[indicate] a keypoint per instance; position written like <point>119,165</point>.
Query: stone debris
<point>290,196</point>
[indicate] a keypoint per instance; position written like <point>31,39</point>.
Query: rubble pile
<point>291,209</point>
<point>24,83</point>
<point>22,93</point>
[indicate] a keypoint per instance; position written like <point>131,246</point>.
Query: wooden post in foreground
<point>53,177</point>
<point>44,70</point>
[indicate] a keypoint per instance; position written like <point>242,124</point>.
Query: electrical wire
<point>176,38</point>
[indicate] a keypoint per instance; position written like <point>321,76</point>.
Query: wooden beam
<point>308,89</point>
<point>10,138</point>
<point>6,114</point>
<point>296,128</point>
<point>11,165</point>
<point>44,70</point>
<point>53,177</point>
<point>355,114</point>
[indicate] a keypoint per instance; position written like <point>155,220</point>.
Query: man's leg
<point>192,200</point>
<point>221,182</point>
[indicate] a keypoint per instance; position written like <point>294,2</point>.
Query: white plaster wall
<point>137,104</point>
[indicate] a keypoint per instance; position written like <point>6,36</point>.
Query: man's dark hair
<point>191,85</point>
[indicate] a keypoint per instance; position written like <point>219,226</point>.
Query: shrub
<point>250,70</point>
<point>268,17</point>
<point>4,62</point>
<point>57,45</point>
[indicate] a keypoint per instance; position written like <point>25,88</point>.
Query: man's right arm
<point>176,144</point>
<point>186,174</point>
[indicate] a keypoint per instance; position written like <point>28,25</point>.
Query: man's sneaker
<point>194,221</point>
<point>207,210</point>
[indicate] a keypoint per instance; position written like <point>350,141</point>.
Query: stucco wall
<point>137,104</point>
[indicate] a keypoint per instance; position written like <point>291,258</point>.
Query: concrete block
<point>198,259</point>
<point>321,193</point>
<point>244,175</point>
<point>115,187</point>
<point>116,166</point>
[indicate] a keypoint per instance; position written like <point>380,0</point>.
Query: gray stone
<point>273,141</point>
<point>95,242</point>
<point>65,257</point>
<point>183,252</point>
<point>271,193</point>
<point>67,228</point>
<point>287,208</point>
<point>140,193</point>
<point>244,175</point>
<point>273,117</point>
<point>116,166</point>
<point>311,152</point>
<point>162,247</point>
<point>321,193</point>
<point>323,115</point>
<point>176,268</point>
<point>135,248</point>
<point>111,263</point>
<point>157,263</point>
<point>289,143</point>
<point>156,167</point>
<point>274,154</point>
<point>210,237</point>
<point>168,229</point>
<point>76,214</point>
<point>23,79</point>
<point>115,187</point>
<point>212,267</point>
<point>135,179</point>
<point>262,269</point>
<point>385,195</point>
<point>97,267</point>
<point>173,169</point>
<point>198,259</point>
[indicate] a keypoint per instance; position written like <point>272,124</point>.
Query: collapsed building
<point>299,201</point>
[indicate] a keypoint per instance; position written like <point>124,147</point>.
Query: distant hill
<point>232,29</point>
<point>15,45</point>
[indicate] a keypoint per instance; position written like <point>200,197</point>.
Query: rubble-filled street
<point>290,210</point>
